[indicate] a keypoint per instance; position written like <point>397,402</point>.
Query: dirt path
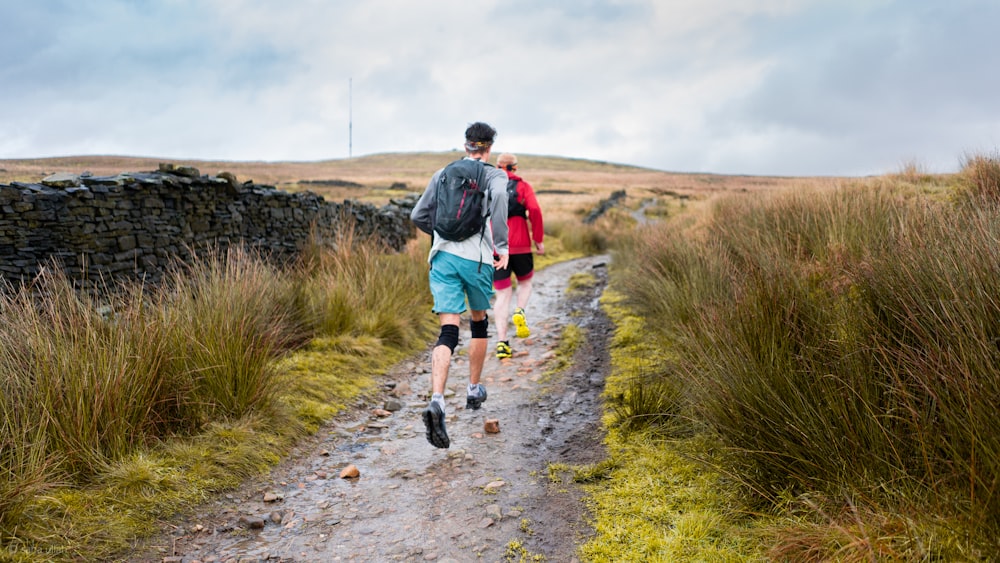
<point>476,501</point>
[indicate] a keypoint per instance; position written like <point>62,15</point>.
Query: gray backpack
<point>461,207</point>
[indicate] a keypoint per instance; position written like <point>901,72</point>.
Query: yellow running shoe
<point>503,350</point>
<point>521,323</point>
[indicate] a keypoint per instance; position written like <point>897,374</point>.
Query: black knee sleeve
<point>480,329</point>
<point>448,337</point>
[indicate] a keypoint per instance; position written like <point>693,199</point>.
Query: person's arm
<point>498,211</point>
<point>534,216</point>
<point>423,212</point>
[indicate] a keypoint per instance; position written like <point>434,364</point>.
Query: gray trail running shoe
<point>474,401</point>
<point>434,421</point>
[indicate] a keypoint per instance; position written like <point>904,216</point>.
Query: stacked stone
<point>100,229</point>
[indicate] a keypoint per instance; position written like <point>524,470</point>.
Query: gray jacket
<point>478,249</point>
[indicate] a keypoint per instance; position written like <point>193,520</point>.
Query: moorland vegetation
<point>804,369</point>
<point>809,375</point>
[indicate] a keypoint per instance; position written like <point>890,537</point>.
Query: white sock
<point>474,389</point>
<point>439,399</point>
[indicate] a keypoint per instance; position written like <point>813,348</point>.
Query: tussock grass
<point>841,343</point>
<point>87,386</point>
<point>570,239</point>
<point>363,290</point>
<point>567,237</point>
<point>115,414</point>
<point>980,176</point>
<point>226,318</point>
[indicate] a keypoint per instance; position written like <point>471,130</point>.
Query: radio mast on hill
<point>350,117</point>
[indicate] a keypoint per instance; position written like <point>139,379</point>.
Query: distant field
<point>562,183</point>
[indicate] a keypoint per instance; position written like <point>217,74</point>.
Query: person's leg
<point>476,394</point>
<point>479,290</point>
<point>524,269</point>
<point>441,355</point>
<point>501,310</point>
<point>449,302</point>
<point>433,415</point>
<point>477,348</point>
<point>523,292</point>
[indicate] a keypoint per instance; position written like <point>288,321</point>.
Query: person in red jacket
<point>524,224</point>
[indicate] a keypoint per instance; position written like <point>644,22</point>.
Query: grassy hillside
<point>561,182</point>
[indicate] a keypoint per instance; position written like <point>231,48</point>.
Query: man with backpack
<point>457,209</point>
<point>524,223</point>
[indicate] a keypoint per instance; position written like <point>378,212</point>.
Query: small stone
<point>276,517</point>
<point>492,426</point>
<point>494,486</point>
<point>350,472</point>
<point>393,405</point>
<point>252,522</point>
<point>486,523</point>
<point>272,497</point>
<point>493,511</point>
<point>381,413</point>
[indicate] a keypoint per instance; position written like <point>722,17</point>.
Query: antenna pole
<point>350,117</point>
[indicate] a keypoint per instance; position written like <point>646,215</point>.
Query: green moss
<point>525,527</point>
<point>596,472</point>
<point>650,500</point>
<point>517,553</point>
<point>581,281</point>
<point>654,503</point>
<point>556,472</point>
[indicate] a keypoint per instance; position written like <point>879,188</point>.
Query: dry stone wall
<point>133,225</point>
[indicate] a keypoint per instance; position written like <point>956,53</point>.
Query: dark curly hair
<point>479,136</point>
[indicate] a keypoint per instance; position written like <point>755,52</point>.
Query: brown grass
<point>561,183</point>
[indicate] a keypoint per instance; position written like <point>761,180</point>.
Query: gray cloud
<point>769,87</point>
<point>875,89</point>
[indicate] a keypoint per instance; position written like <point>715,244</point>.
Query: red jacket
<point>518,237</point>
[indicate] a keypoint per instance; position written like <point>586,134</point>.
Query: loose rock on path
<point>369,487</point>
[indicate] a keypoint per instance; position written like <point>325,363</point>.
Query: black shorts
<point>523,266</point>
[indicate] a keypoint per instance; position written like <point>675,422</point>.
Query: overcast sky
<point>784,87</point>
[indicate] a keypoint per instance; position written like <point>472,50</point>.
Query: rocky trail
<point>486,498</point>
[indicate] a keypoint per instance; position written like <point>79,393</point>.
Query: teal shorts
<point>456,280</point>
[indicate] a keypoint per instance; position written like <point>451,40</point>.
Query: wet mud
<point>488,497</point>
